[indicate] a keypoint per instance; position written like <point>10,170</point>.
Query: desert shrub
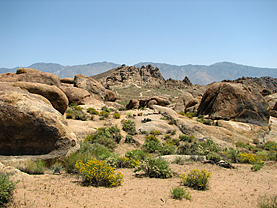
<point>6,189</point>
<point>233,155</point>
<point>103,115</point>
<point>180,193</point>
<point>105,109</point>
<point>129,138</point>
<point>33,167</point>
<point>171,121</point>
<point>167,149</point>
<point>186,138</point>
<point>270,146</point>
<point>267,202</point>
<point>99,173</point>
<point>256,141</point>
<point>154,168</point>
<point>122,109</point>
<point>163,118</point>
<point>73,105</point>
<point>240,144</point>
<point>171,132</point>
<point>209,146</point>
<point>263,155</point>
<point>129,114</point>
<point>272,155</point>
<point>70,161</point>
<point>137,154</point>
<point>248,158</point>
<point>127,162</point>
<point>116,115</point>
<point>78,108</point>
<point>173,142</point>
<point>92,111</point>
<point>56,168</point>
<point>214,157</point>
<point>151,144</point>
<point>69,114</point>
<point>129,126</point>
<point>105,136</point>
<point>182,113</point>
<point>257,166</point>
<point>166,136</point>
<point>155,132</point>
<point>80,116</point>
<point>196,179</point>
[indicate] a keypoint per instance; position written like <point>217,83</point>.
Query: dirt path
<point>228,188</point>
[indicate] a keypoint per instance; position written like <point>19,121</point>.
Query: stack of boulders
<point>32,104</point>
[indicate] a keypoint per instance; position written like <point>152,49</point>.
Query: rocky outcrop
<point>31,126</point>
<point>234,101</point>
<point>26,70</point>
<point>31,75</point>
<point>92,86</point>
<point>130,74</point>
<point>149,102</point>
<point>110,96</point>
<point>182,102</point>
<point>77,95</point>
<point>56,96</point>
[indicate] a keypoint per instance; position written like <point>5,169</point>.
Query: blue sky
<point>128,32</point>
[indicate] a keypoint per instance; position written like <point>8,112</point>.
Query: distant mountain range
<point>198,74</point>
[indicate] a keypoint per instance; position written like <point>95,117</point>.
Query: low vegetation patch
<point>196,179</point>
<point>129,126</point>
<point>6,189</point>
<point>267,201</point>
<point>180,193</point>
<point>99,173</point>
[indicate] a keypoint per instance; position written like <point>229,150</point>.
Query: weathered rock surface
<point>130,74</point>
<point>30,126</point>
<point>149,102</point>
<point>56,96</point>
<point>77,95</point>
<point>234,101</point>
<point>182,102</point>
<point>26,70</point>
<point>67,80</point>
<point>91,85</point>
<point>30,76</point>
<point>110,96</point>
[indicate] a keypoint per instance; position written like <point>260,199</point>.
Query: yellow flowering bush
<point>196,179</point>
<point>99,173</point>
<point>248,158</point>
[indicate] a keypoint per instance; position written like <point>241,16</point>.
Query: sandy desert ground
<point>238,187</point>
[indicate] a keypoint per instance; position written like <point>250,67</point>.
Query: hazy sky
<point>132,31</point>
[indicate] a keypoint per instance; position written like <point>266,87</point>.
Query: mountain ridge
<point>198,74</point>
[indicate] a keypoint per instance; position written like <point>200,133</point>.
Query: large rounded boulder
<point>31,75</point>
<point>55,95</point>
<point>234,101</point>
<point>77,95</point>
<point>31,126</point>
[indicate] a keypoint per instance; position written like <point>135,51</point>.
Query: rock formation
<point>142,103</point>
<point>234,101</point>
<point>130,74</point>
<point>31,126</point>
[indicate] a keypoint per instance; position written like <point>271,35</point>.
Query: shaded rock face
<point>91,85</point>
<point>149,102</point>
<point>110,96</point>
<point>30,126</point>
<point>29,75</point>
<point>131,74</point>
<point>67,80</point>
<point>234,101</point>
<point>56,96</point>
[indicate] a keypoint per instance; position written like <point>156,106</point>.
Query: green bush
<point>214,157</point>
<point>105,136</point>
<point>104,108</point>
<point>127,162</point>
<point>196,179</point>
<point>151,144</point>
<point>167,149</point>
<point>180,193</point>
<point>80,116</point>
<point>257,166</point>
<point>99,173</point>
<point>116,115</point>
<point>154,168</point>
<point>240,144</point>
<point>104,115</point>
<point>137,154</point>
<point>6,189</point>
<point>122,109</point>
<point>129,126</point>
<point>233,155</point>
<point>179,160</point>
<point>270,146</point>
<point>92,111</point>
